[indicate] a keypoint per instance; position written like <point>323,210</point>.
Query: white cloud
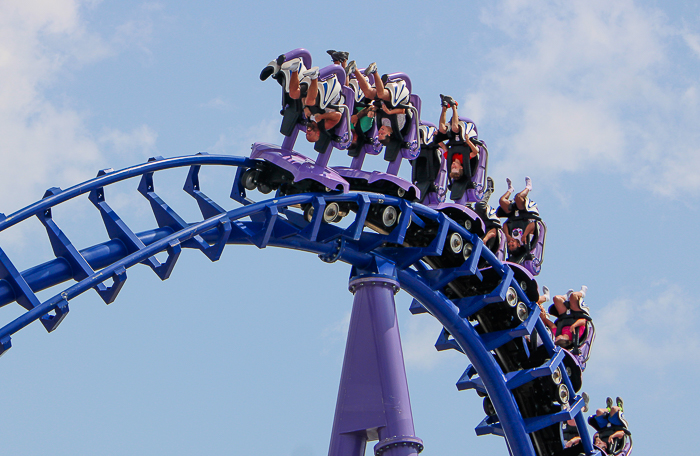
<point>586,85</point>
<point>647,333</point>
<point>216,103</point>
<point>138,144</point>
<point>418,341</point>
<point>42,143</point>
<point>693,42</point>
<point>240,139</point>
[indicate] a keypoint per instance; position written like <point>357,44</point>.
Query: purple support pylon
<point>373,401</point>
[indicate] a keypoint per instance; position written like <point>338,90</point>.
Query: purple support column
<point>373,401</point>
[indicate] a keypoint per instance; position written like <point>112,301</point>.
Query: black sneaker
<point>338,56</point>
<point>443,102</point>
<point>450,101</point>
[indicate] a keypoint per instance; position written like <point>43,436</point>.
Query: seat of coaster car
<point>477,166</point>
<point>293,112</point>
<point>397,141</point>
<point>620,446</point>
<point>426,167</point>
<point>459,186</point>
<point>403,99</point>
<point>362,138</point>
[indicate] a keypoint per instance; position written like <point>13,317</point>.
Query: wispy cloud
<point>647,332</point>
<point>240,139</point>
<point>42,142</point>
<point>137,144</point>
<point>418,340</point>
<point>216,103</point>
<point>592,85</point>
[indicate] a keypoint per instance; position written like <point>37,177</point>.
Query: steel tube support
<point>373,399</point>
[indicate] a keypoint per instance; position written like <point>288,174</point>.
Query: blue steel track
<point>275,222</point>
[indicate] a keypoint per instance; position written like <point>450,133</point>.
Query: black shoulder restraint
<point>391,151</point>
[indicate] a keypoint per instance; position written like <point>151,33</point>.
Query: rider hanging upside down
<point>459,143</point>
<point>319,119</point>
<point>522,215</point>
<point>391,119</point>
<point>612,436</point>
<point>572,316</point>
<point>492,224</point>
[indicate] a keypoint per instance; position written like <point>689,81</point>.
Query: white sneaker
<point>545,293</point>
<point>291,65</point>
<point>372,68</point>
<point>510,185</point>
<point>312,73</point>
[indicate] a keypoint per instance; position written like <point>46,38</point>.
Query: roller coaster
<point>486,305</point>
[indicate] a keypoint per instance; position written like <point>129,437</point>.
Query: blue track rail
<point>276,222</point>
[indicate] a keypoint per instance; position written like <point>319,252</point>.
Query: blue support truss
<point>276,222</point>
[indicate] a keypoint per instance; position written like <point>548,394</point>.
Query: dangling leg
<point>312,93</point>
<point>504,202</point>
<point>521,198</point>
<point>369,91</point>
<point>576,297</point>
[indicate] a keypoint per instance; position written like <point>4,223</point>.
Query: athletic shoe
<point>450,101</point>
<point>568,295</point>
<point>443,102</point>
<point>619,402</point>
<point>545,293</point>
<point>586,398</point>
<point>350,67</point>
<point>510,184</point>
<point>371,68</point>
<point>609,403</point>
<point>341,56</point>
<point>584,290</point>
<point>292,65</point>
<point>528,183</point>
<point>338,56</point>
<point>489,190</point>
<point>312,73</point>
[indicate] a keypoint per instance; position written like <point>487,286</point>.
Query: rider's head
<point>513,244</point>
<point>312,132</point>
<point>456,169</point>
<point>384,134</point>
<point>599,443</point>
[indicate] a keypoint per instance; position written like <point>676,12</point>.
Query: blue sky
<point>598,102</point>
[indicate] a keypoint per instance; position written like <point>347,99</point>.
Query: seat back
<point>537,249</point>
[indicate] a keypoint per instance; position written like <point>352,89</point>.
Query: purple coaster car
<point>461,193</point>
<point>293,169</point>
<point>535,257</point>
<point>285,169</point>
<point>403,146</point>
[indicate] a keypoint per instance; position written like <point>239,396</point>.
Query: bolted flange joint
<point>333,256</point>
<point>396,442</point>
<point>373,280</point>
